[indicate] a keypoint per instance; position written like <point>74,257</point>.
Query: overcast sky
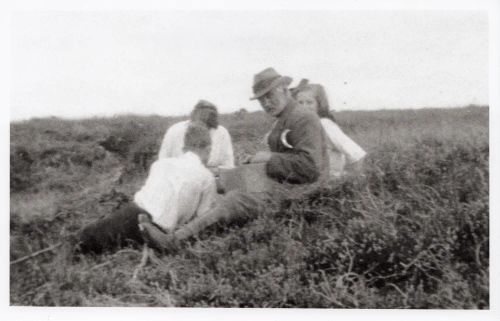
<point>82,64</point>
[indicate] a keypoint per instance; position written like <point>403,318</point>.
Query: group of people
<point>180,195</point>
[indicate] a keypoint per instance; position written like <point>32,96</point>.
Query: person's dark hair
<point>206,112</point>
<point>197,136</point>
<point>320,96</point>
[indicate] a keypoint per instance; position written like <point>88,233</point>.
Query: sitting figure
<point>221,154</point>
<point>342,150</point>
<point>176,190</point>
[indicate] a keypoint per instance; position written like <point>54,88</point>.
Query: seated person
<point>176,190</point>
<point>342,150</point>
<point>221,154</point>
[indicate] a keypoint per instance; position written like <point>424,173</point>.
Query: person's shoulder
<point>187,164</point>
<point>221,130</point>
<point>163,163</point>
<point>179,125</point>
<point>166,160</point>
<point>193,162</point>
<point>304,115</point>
<point>202,174</point>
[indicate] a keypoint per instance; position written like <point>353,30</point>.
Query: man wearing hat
<point>297,141</point>
<point>298,159</point>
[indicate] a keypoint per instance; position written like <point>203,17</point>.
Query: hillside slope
<point>411,233</point>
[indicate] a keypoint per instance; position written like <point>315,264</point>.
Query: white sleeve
<point>342,142</point>
<point>208,197</point>
<point>227,157</point>
<point>173,142</point>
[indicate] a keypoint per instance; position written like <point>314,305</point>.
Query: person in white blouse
<point>176,190</point>
<point>221,154</point>
<point>343,151</point>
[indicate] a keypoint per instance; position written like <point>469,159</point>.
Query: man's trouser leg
<point>118,229</point>
<point>235,206</point>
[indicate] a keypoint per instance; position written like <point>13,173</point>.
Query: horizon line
<point>119,115</point>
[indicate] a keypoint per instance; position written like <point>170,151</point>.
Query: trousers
<point>234,207</point>
<point>119,229</point>
<point>241,205</point>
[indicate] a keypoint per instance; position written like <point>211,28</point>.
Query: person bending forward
<point>177,190</point>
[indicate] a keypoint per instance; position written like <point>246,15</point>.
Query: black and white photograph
<point>288,158</point>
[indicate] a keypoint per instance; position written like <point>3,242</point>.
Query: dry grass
<point>411,233</point>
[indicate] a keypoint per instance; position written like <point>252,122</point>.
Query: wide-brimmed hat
<point>266,80</point>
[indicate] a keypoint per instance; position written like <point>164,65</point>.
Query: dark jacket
<point>307,160</point>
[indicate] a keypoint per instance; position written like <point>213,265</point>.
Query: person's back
<point>174,188</point>
<point>173,140</point>
<point>221,153</point>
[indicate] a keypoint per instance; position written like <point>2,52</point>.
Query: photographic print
<point>333,159</point>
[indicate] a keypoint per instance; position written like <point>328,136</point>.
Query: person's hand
<point>142,220</point>
<point>261,157</point>
<point>154,237</point>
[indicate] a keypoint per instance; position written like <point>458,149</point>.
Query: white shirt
<point>342,150</point>
<point>176,190</point>
<point>221,152</point>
